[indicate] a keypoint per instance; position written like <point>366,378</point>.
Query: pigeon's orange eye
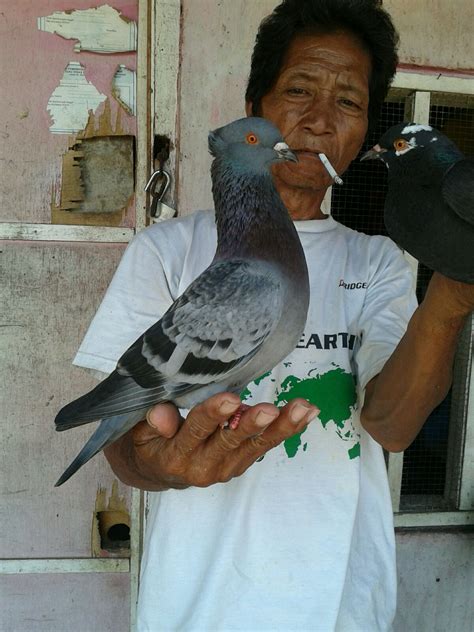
<point>400,144</point>
<point>251,139</point>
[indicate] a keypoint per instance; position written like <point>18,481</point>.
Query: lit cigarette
<point>330,169</point>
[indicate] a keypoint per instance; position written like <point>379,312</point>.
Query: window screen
<point>430,477</point>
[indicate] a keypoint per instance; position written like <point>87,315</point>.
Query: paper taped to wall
<point>123,88</point>
<point>71,101</point>
<point>100,30</point>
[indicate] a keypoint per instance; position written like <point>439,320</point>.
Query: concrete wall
<point>435,580</point>
<point>434,33</point>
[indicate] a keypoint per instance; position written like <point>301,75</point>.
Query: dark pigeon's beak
<point>284,152</point>
<point>372,154</point>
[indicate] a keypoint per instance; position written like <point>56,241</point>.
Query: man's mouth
<point>320,158</point>
<point>307,153</point>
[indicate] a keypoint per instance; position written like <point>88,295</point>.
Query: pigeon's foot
<point>233,422</point>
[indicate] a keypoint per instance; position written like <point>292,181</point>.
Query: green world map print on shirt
<point>333,392</point>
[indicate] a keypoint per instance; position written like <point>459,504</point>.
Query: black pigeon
<point>237,320</point>
<point>429,209</point>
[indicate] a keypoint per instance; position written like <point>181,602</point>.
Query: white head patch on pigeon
<point>413,129</point>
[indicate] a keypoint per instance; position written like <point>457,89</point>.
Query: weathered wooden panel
<point>33,63</point>
<point>58,603</point>
<point>435,580</point>
<point>49,292</point>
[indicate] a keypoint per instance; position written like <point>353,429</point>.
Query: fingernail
<point>263,419</point>
<point>313,415</point>
<point>227,407</point>
<point>148,419</point>
<point>300,411</point>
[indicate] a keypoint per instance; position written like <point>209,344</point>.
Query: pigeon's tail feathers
<point>116,395</point>
<point>109,430</point>
<point>458,188</point>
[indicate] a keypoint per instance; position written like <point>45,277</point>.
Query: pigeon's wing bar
<point>116,395</point>
<point>213,328</point>
<point>458,189</point>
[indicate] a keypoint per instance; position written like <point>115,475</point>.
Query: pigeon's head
<point>405,143</point>
<point>250,144</point>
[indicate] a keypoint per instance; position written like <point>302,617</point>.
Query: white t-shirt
<point>303,540</point>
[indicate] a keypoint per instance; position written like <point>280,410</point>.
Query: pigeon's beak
<point>372,154</point>
<point>284,152</point>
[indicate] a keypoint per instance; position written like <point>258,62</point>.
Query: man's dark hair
<point>365,19</point>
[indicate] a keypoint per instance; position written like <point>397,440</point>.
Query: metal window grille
<point>432,464</point>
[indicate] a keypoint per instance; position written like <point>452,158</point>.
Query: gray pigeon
<point>242,316</point>
<point>429,209</point>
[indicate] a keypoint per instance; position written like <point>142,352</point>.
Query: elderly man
<point>285,523</point>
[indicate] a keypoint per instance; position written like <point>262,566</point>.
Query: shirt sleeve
<point>389,304</point>
<point>141,290</point>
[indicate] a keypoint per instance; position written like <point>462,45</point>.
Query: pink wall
<point>33,63</point>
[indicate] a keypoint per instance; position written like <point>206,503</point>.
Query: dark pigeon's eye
<point>251,139</point>
<point>400,144</point>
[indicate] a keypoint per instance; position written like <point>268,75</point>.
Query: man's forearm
<point>418,375</point>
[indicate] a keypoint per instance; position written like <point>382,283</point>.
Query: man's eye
<point>297,91</point>
<point>350,104</point>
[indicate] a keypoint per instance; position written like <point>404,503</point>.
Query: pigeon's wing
<point>216,326</point>
<point>116,395</point>
<point>209,332</point>
<point>458,189</point>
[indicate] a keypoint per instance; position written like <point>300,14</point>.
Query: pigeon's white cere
<point>434,139</point>
<point>279,146</point>
<point>411,145</point>
<point>413,129</point>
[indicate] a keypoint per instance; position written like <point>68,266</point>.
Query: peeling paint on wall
<point>98,175</point>
<point>123,88</point>
<point>71,101</point>
<point>100,30</point>
<point>68,193</point>
<point>97,171</point>
<point>100,124</point>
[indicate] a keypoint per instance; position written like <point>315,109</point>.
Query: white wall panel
<point>63,603</point>
<point>48,293</point>
<point>435,580</point>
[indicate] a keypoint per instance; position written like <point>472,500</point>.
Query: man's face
<point>320,103</point>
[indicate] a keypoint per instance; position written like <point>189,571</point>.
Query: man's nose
<point>319,116</point>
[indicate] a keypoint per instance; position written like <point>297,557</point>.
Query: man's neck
<point>302,204</point>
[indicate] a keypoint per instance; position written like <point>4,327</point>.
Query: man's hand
<point>163,452</point>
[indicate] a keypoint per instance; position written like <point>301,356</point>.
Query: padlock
<point>159,211</point>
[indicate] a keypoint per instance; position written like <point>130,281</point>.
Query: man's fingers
<point>204,418</point>
<point>292,418</point>
<point>164,419</point>
<point>253,421</point>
